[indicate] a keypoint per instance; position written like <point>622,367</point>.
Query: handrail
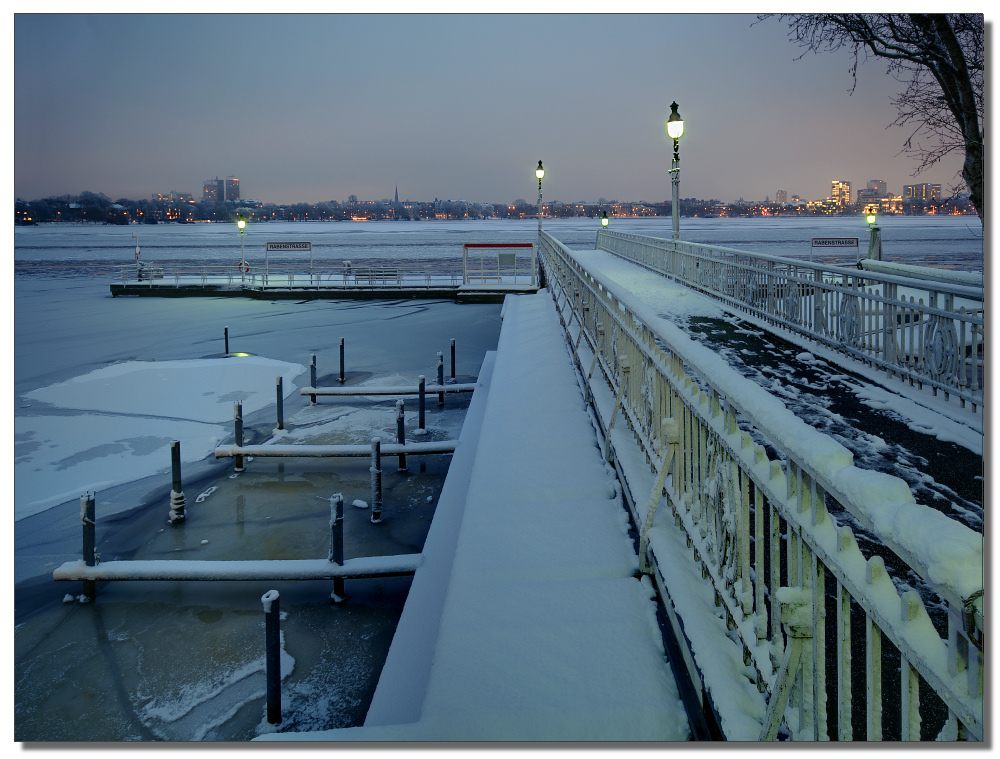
<point>722,489</point>
<point>880,319</point>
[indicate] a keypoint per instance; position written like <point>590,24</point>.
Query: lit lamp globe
<point>871,218</point>
<point>604,219</point>
<point>539,172</point>
<point>675,124</point>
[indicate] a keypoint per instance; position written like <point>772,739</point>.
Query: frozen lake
<point>102,385</point>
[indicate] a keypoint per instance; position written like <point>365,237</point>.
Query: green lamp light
<point>604,219</point>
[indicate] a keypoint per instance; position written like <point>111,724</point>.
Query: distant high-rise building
<point>840,192</point>
<point>213,189</point>
<point>781,197</point>
<point>925,192</point>
<point>232,188</point>
<point>879,186</point>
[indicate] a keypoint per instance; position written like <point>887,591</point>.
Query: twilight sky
<point>304,108</point>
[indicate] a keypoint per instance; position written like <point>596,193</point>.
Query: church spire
<point>397,193</point>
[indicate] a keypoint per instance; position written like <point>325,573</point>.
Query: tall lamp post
<point>539,172</point>
<point>675,128</point>
<point>241,223</point>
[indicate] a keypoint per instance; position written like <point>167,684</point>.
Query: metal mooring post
<point>88,515</point>
<point>376,470</point>
<point>453,359</point>
<point>341,361</point>
<point>272,655</point>
<point>312,377</point>
<point>227,340</point>
<point>280,403</point>
<point>337,544</point>
<point>238,421</point>
<point>177,501</point>
<point>400,433</point>
<point>441,378</point>
<point>421,403</point>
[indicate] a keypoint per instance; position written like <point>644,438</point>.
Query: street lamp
<point>241,224</point>
<point>675,128</point>
<point>539,172</point>
<point>604,220</point>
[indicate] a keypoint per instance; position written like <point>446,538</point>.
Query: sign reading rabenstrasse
<point>835,242</point>
<point>288,247</point>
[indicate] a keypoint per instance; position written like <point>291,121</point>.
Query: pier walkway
<point>527,621</point>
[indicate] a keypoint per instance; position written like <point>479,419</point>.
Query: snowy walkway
<point>526,621</point>
<point>932,444</point>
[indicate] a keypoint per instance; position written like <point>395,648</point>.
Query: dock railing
<point>920,331</point>
<point>373,274</point>
<point>808,611</point>
<point>484,263</point>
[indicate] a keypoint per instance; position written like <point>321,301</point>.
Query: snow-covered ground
<point>886,426</point>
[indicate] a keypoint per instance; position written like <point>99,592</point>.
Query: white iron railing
<point>771,541</point>
<point>346,275</point>
<point>924,332</point>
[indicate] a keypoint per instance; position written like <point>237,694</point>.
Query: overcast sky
<point>304,108</point>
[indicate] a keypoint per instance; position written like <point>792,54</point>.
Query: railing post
<point>337,544</point>
<point>422,401</point>
<point>401,433</point>
<point>280,403</point>
<point>238,423</point>
<point>376,472</point>
<point>272,655</point>
<point>312,377</point>
<point>177,500</point>
<point>441,378</point>
<point>341,361</point>
<point>88,516</point>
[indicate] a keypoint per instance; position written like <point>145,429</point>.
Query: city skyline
<point>313,108</point>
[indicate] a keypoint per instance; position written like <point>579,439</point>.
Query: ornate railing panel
<point>924,332</point>
<point>810,614</point>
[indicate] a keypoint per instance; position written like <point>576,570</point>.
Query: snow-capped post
<point>177,501</point>
<point>401,433</point>
<point>312,377</point>
<point>238,423</point>
<point>88,516</point>
<point>337,544</point>
<point>272,655</point>
<point>453,359</point>
<point>341,361</point>
<point>227,340</point>
<point>376,470</point>
<point>281,403</point>
<point>441,378</point>
<point>421,402</point>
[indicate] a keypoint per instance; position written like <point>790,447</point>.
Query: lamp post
<point>875,241</point>
<point>539,172</point>
<point>241,223</point>
<point>604,220</point>
<point>675,128</point>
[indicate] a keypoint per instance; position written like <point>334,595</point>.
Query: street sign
<point>835,242</point>
<point>288,247</point>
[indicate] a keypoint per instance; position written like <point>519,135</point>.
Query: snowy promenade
<point>934,445</point>
<point>526,621</point>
